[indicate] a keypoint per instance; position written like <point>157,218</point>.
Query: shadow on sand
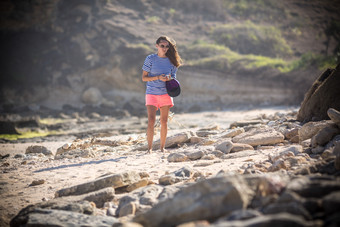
<point>79,164</point>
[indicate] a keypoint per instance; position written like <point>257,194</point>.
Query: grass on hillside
<point>249,38</point>
<point>221,58</point>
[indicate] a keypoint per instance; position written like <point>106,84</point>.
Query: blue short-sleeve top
<point>156,66</point>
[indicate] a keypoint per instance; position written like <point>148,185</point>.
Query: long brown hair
<point>172,52</point>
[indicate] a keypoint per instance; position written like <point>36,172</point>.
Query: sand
<point>17,175</point>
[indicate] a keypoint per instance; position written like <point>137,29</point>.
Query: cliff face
<point>53,51</point>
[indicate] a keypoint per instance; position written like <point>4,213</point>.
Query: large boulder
<point>207,199</point>
<point>323,94</point>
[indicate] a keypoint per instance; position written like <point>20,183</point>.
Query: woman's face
<point>163,47</point>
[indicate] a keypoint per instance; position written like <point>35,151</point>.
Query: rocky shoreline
<point>272,170</point>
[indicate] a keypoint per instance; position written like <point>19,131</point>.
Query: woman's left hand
<point>164,78</point>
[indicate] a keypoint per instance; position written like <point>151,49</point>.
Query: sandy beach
<point>18,174</point>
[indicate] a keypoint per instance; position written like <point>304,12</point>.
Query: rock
<point>182,174</point>
<point>292,208</point>
<point>331,203</point>
<point>127,209</point>
<point>334,115</point>
<point>36,149</point>
<point>282,152</point>
<point>67,204</point>
<point>146,197</point>
<point>336,152</point>
<point>308,130</point>
<point>321,96</point>
<point>195,155</point>
<point>139,184</point>
<point>240,154</point>
<point>232,133</point>
<point>37,182</point>
<point>99,197</point>
<point>196,139</point>
<point>291,133</point>
<point>207,199</point>
<point>92,96</point>
<point>225,147</point>
<point>177,157</point>
<point>242,215</point>
<point>44,217</point>
<point>5,156</point>
<point>115,181</point>
<point>240,147</point>
<point>205,133</point>
<point>259,136</point>
<point>277,220</point>
<point>171,141</point>
<point>245,123</point>
<point>316,187</point>
<point>74,153</point>
<point>324,135</point>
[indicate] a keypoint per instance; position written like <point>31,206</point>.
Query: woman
<point>157,69</point>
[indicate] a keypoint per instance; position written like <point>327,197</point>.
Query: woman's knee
<point>164,121</point>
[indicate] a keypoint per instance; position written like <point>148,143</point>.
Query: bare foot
<point>163,150</point>
<point>149,151</point>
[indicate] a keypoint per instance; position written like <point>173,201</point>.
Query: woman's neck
<point>161,55</point>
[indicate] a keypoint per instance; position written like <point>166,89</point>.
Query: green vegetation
<point>142,46</point>
<point>256,9</point>
<point>248,38</point>
<point>153,20</point>
<point>218,57</point>
<point>27,135</point>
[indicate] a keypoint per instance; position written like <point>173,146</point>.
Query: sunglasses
<point>162,46</point>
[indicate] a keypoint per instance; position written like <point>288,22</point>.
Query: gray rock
<point>291,133</point>
<point>316,187</point>
<point>336,152</point>
<point>177,157</point>
<point>207,199</point>
<point>308,130</point>
<point>171,141</point>
<point>243,215</point>
<point>92,96</point>
<point>195,155</point>
<point>70,204</point>
<point>143,198</point>
<point>182,174</point>
<point>36,149</point>
<point>292,208</point>
<point>240,154</point>
<point>324,135</point>
<point>240,147</point>
<point>334,115</point>
<point>56,218</point>
<point>232,133</point>
<point>277,220</point>
<point>127,209</point>
<point>259,136</point>
<point>322,95</point>
<point>331,203</point>
<point>115,181</point>
<point>245,123</point>
<point>225,147</point>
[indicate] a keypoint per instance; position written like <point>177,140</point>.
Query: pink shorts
<point>159,100</point>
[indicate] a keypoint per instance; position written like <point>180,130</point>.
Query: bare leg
<point>164,125</point>
<point>151,125</point>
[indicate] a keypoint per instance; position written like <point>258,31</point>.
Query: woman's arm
<point>146,77</point>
